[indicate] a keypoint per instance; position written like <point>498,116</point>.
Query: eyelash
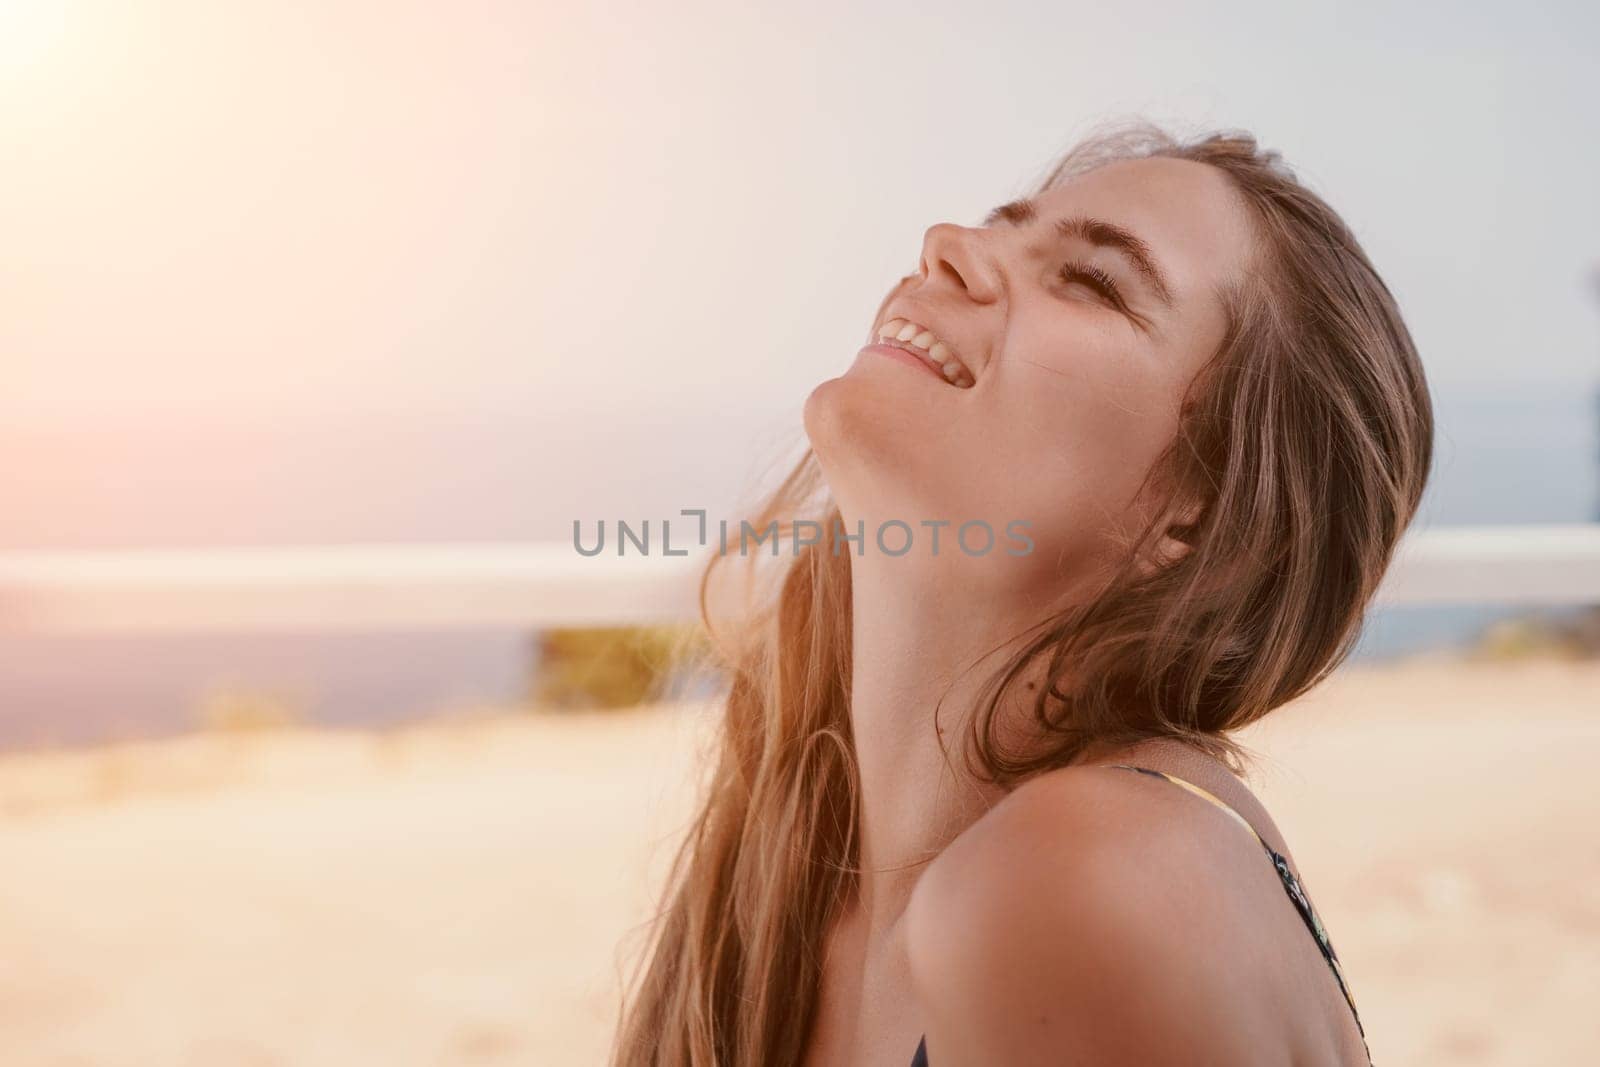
<point>1094,277</point>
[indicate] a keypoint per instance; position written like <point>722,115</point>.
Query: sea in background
<point>1506,454</point>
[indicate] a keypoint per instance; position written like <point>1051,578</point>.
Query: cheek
<point>1079,430</point>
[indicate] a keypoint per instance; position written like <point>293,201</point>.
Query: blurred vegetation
<point>232,707</point>
<point>619,667</point>
<point>1543,636</point>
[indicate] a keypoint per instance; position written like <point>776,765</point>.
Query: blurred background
<point>323,323</point>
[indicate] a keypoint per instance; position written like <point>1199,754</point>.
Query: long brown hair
<point>1303,449</point>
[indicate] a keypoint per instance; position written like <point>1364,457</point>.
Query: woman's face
<point>1075,324</point>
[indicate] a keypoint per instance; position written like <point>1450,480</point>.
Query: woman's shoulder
<point>1097,828</point>
<point>1092,911</point>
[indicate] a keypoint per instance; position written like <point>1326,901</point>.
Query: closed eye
<point>1095,278</point>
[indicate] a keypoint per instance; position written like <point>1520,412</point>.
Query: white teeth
<point>910,333</point>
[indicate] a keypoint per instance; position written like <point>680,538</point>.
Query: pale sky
<point>269,213</point>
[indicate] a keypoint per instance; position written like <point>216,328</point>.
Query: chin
<point>863,432</point>
<point>873,402</point>
<point>827,415</point>
<point>860,414</point>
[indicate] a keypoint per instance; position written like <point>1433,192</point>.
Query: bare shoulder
<point>1089,916</point>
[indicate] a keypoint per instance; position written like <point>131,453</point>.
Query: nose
<point>955,255</point>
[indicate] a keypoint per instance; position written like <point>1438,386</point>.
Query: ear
<point>1176,541</point>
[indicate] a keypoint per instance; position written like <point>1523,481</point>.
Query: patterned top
<point>1291,885</point>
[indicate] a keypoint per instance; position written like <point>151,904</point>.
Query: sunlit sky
<point>288,215</point>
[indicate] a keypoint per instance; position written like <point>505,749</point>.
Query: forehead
<point>1188,213</point>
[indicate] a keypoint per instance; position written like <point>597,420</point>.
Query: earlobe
<point>1176,542</point>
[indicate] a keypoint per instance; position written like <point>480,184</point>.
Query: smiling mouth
<point>922,343</point>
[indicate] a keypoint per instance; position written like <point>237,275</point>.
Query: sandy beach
<point>465,891</point>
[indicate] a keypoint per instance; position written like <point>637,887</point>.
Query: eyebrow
<point>1097,232</point>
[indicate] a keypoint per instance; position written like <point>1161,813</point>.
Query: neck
<point>912,647</point>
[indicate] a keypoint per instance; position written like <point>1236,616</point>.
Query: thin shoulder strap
<point>1291,885</point>
<point>1197,791</point>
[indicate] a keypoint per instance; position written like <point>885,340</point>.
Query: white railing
<point>539,585</point>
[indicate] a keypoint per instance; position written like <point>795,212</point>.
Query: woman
<point>1175,377</point>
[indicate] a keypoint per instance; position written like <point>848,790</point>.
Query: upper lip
<point>924,323</point>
